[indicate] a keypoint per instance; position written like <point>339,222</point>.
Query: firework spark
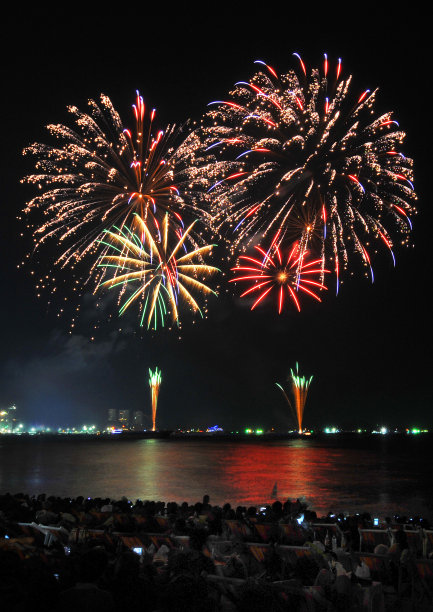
<point>101,174</point>
<point>154,383</point>
<point>275,273</point>
<point>299,387</point>
<point>301,154</point>
<point>158,273</point>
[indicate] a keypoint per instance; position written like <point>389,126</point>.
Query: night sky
<point>369,349</point>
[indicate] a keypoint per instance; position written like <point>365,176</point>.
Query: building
<point>112,415</point>
<point>123,419</point>
<point>112,420</point>
<point>8,419</point>
<point>137,421</point>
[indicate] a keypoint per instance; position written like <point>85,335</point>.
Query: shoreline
<point>216,436</point>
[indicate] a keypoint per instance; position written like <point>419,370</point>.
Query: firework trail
<point>299,387</point>
<point>101,173</point>
<point>154,272</point>
<point>154,383</point>
<point>275,273</point>
<point>301,154</point>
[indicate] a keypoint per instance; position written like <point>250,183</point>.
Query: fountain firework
<point>299,387</point>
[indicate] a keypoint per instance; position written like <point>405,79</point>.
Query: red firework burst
<point>275,272</point>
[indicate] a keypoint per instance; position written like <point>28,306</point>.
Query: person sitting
<point>86,596</point>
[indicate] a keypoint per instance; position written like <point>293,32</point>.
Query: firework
<point>275,273</point>
<point>152,272</point>
<point>101,174</point>
<point>154,383</point>
<point>302,155</point>
<point>299,387</point>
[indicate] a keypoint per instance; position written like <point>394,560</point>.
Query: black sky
<point>369,349</point>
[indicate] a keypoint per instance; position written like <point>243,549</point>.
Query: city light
<point>126,421</point>
<point>214,428</point>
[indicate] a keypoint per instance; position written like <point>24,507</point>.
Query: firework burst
<point>299,387</point>
<point>301,154</point>
<point>281,275</point>
<point>101,174</point>
<point>154,273</point>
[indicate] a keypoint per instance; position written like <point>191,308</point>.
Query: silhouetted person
<point>86,596</point>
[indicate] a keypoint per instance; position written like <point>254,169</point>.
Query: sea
<point>381,474</point>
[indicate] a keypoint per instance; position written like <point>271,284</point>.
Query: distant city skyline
<point>122,420</point>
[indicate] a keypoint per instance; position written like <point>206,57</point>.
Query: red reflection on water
<point>297,469</point>
<point>370,476</point>
<point>245,473</point>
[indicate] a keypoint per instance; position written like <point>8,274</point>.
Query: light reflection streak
<point>378,476</point>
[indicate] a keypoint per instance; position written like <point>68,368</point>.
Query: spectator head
<point>93,564</point>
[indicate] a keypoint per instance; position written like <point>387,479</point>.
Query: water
<point>379,474</point>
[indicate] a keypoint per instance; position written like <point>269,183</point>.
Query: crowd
<point>94,554</point>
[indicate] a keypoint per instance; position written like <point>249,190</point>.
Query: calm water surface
<point>378,474</point>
